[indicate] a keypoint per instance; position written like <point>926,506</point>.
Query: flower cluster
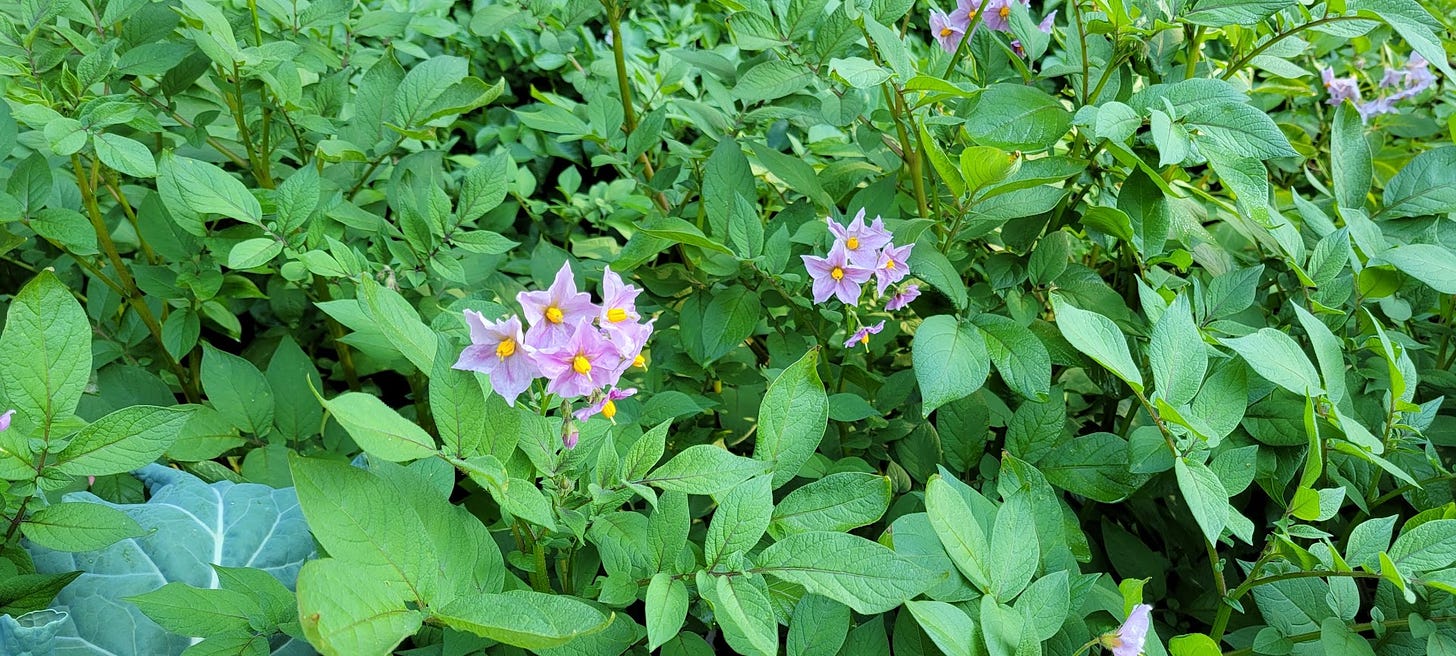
<point>860,252</point>
<point>949,29</point>
<point>580,348</point>
<point>1400,83</point>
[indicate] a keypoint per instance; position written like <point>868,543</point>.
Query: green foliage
<point>1183,331</point>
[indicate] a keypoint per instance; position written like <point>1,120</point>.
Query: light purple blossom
<point>861,242</point>
<point>570,439</point>
<point>892,266</point>
<point>997,15</point>
<point>1129,638</point>
<point>1414,78</point>
<point>554,313</point>
<point>605,405</point>
<point>629,341</point>
<point>1373,108</point>
<point>836,275</point>
<point>5,420</point>
<point>580,365</point>
<point>1047,23</point>
<point>619,304</point>
<point>902,299</point>
<point>1340,88</point>
<point>498,349</point>
<point>863,335</point>
<point>945,30</point>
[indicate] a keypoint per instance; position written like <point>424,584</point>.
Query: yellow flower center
<point>555,315</point>
<point>581,365</point>
<point>944,31</point>
<point>889,264</point>
<point>837,273</point>
<point>639,361</point>
<point>609,410</point>
<point>615,315</point>
<point>1005,11</point>
<point>853,242</point>
<point>506,348</point>
<point>864,339</point>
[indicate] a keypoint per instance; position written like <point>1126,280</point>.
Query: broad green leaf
<point>370,619</point>
<point>1431,264</point>
<point>1238,128</point>
<point>837,502</point>
<point>523,618</point>
<point>666,608</point>
<point>1177,354</point>
<point>237,390</point>
<point>1045,604</point>
<point>1017,117</point>
<point>1218,13</point>
<point>950,361</point>
<point>859,72</point>
<point>128,156</point>
<point>45,351</point>
<point>1020,358</point>
<point>425,83</point>
<point>1422,187</point>
<point>122,441</point>
<point>1094,466</point>
<point>378,429</point>
<point>949,627</point>
<point>1350,166</point>
<point>252,253</point>
<point>771,80</point>
<point>679,231</point>
<point>1099,338</point>
<point>817,626</point>
<point>959,531</point>
<point>189,611</point>
<point>741,519</point>
<point>400,323</point>
<point>743,610</point>
<point>859,573</point>
<point>192,189</point>
<point>78,526</point>
<point>1427,547</point>
<point>704,469</point>
<point>485,186</point>
<point>792,418</point>
<point>1336,639</point>
<point>1116,121</point>
<point>1015,540</point>
<point>1414,24</point>
<point>1205,495</point>
<point>1275,355</point>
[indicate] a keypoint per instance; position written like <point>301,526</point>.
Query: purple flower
<point>629,340</point>
<point>605,405</point>
<point>499,350</point>
<point>1048,22</point>
<point>945,30</point>
<point>1413,79</point>
<point>581,364</point>
<point>863,335</point>
<point>910,293</point>
<point>554,313</point>
<point>5,420</point>
<point>862,243</point>
<point>997,15</point>
<point>1129,638</point>
<point>619,304</point>
<point>1372,108</point>
<point>892,266</point>
<point>835,275</point>
<point>1340,88</point>
<point>570,439</point>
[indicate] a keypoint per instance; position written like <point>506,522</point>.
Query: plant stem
<point>624,87</point>
<point>1244,61</point>
<point>1357,628</point>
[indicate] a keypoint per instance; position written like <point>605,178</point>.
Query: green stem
<point>1357,628</point>
<point>1244,61</point>
<point>624,87</point>
<point>540,578</point>
<point>965,40</point>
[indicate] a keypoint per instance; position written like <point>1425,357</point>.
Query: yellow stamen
<point>1005,11</point>
<point>837,273</point>
<point>889,264</point>
<point>609,410</point>
<point>944,31</point>
<point>864,339</point>
<point>555,315</point>
<point>581,365</point>
<point>506,348</point>
<point>615,315</point>
<point>853,242</point>
<point>639,361</point>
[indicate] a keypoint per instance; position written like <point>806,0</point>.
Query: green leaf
<point>1218,13</point>
<point>79,526</point>
<point>26,593</point>
<point>189,611</point>
<point>1177,354</point>
<point>122,441</point>
<point>949,627</point>
<point>1094,466</point>
<point>742,608</point>
<point>1017,117</point>
<point>932,267</point>
<point>1431,264</point>
<point>370,619</point>
<point>950,361</point>
<point>859,72</point>
<point>291,375</point>
<point>666,608</point>
<point>252,253</point>
<point>425,83</point>
<point>1350,164</point>
<point>1414,24</point>
<point>1277,357</point>
<point>792,418</point>
<point>45,351</point>
<point>837,502</point>
<point>378,429</point>
<point>741,519</point>
<point>1422,187</point>
<point>1336,639</point>
<point>859,573</point>
<point>771,80</point>
<point>1425,548</point>
<point>1099,338</point>
<point>704,469</point>
<point>1036,428</point>
<point>1017,546</point>
<point>817,627</point>
<point>238,390</point>
<point>1239,128</point>
<point>66,136</point>
<point>484,186</point>
<point>1193,644</point>
<point>959,531</point>
<point>192,189</point>
<point>728,318</point>
<point>397,319</point>
<point>1045,604</point>
<point>1205,495</point>
<point>1116,121</point>
<point>679,231</point>
<point>1020,358</point>
<point>523,618</point>
<point>125,155</point>
<point>793,171</point>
